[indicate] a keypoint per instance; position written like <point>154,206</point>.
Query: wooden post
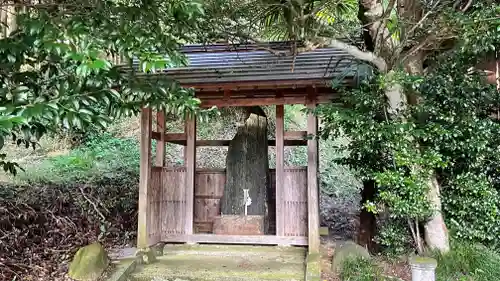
<point>190,171</point>
<point>280,170</point>
<point>312,183</point>
<point>160,144</point>
<point>144,180</point>
<point>185,150</point>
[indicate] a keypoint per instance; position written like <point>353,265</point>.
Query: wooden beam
<point>223,170</point>
<point>277,84</point>
<point>237,239</point>
<point>160,144</point>
<point>280,172</point>
<point>296,135</point>
<point>144,179</point>
<point>169,137</point>
<point>256,101</point>
<point>312,183</point>
<point>190,171</point>
<point>226,142</point>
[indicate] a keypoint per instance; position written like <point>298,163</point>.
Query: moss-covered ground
<point>238,263</point>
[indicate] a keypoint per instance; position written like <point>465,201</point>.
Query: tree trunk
<point>385,48</point>
<point>248,169</point>
<point>367,221</point>
<point>435,230</point>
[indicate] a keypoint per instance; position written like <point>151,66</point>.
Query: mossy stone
<point>347,251</point>
<point>89,263</point>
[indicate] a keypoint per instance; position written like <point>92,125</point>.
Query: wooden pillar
<point>160,144</point>
<point>190,158</point>
<point>185,150</point>
<point>280,170</point>
<point>312,183</point>
<point>144,180</point>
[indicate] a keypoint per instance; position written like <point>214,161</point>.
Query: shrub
<point>361,269</point>
<point>467,261</point>
<point>394,237</point>
<point>473,209</point>
<point>100,158</point>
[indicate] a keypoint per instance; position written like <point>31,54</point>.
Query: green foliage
<point>449,132</point>
<point>473,208</point>
<point>100,158</point>
<point>54,74</point>
<point>468,262</point>
<point>394,237</point>
<point>361,269</point>
<point>382,149</point>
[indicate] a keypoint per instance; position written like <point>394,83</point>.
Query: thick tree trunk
<point>248,169</point>
<point>386,49</point>
<point>435,230</point>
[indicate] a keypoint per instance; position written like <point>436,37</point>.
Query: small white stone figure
<point>247,200</point>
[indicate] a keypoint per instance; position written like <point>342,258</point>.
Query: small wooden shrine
<point>180,204</point>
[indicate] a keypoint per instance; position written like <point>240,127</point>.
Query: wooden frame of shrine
<point>179,204</point>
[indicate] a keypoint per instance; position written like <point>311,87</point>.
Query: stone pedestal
<point>239,225</point>
<point>423,269</point>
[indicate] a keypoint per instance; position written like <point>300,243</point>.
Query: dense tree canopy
<point>57,71</point>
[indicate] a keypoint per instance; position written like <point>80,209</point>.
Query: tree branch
<point>359,54</point>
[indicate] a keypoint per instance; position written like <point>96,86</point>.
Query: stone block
<point>345,251</point>
<point>89,263</point>
<point>239,225</point>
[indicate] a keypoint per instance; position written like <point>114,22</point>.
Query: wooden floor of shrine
<point>225,262</point>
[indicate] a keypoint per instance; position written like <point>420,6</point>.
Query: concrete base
<point>313,267</point>
<point>239,225</point>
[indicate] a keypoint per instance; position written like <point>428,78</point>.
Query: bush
<point>101,157</point>
<point>361,269</point>
<point>394,237</point>
<point>473,209</point>
<point>66,202</point>
<point>468,262</point>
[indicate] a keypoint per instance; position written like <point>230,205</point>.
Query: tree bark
<point>248,168</point>
<point>386,49</point>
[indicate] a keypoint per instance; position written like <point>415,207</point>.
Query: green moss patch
<point>89,263</point>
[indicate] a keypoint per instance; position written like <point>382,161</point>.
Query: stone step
<point>195,267</point>
<point>234,250</point>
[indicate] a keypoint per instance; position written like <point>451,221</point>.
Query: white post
<point>247,200</point>
<point>423,269</point>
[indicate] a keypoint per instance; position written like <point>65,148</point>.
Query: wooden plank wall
<point>173,202</point>
<point>154,206</point>
<point>294,200</point>
<point>208,193</point>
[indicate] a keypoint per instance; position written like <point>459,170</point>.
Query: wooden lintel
<point>221,170</point>
<point>237,239</point>
<point>296,135</point>
<point>227,94</point>
<point>264,101</point>
<point>169,137</point>
<point>292,142</point>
